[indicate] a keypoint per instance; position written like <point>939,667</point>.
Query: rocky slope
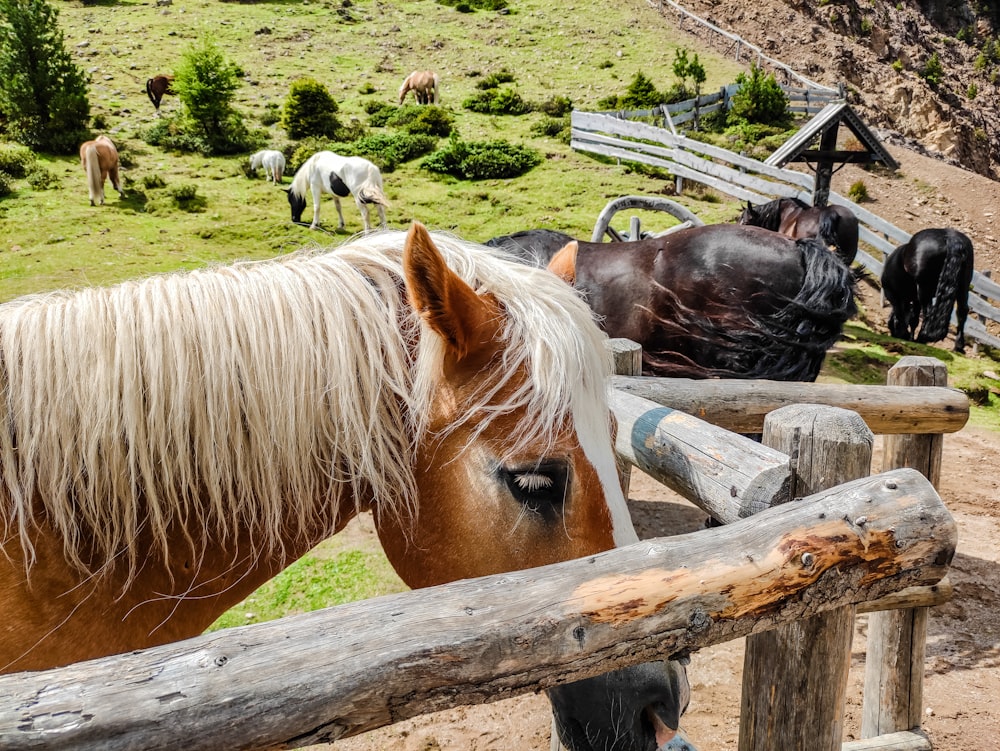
<point>880,50</point>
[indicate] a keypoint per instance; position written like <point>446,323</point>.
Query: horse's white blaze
<point>595,438</point>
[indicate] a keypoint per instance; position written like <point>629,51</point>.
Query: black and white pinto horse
<point>341,176</point>
<point>927,277</point>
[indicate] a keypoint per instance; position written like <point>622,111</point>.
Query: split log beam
<point>333,673</point>
<point>741,406</point>
<point>728,476</point>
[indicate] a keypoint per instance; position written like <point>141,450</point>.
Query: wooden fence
<point>316,677</point>
<point>617,136</point>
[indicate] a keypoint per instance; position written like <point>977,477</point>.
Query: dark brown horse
<point>834,225</point>
<point>156,87</point>
<point>716,301</point>
<point>928,276</point>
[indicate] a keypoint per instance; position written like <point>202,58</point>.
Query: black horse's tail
<point>149,92</point>
<point>938,315</point>
<point>815,319</point>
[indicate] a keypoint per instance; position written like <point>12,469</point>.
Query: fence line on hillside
<point>740,48</point>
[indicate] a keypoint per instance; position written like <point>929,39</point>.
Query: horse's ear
<point>466,321</point>
<point>563,263</point>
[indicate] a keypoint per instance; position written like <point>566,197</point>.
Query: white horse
<point>273,163</point>
<point>341,176</point>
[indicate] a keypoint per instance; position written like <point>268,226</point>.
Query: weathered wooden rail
<point>317,677</point>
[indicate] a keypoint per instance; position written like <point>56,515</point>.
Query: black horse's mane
<point>768,215</point>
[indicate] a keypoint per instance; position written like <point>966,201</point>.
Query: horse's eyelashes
<point>540,488</point>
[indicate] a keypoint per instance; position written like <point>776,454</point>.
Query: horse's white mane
<point>221,396</point>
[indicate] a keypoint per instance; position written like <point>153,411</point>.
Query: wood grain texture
<point>337,672</point>
<point>741,406</point>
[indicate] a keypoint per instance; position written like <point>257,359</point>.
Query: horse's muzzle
<point>632,709</point>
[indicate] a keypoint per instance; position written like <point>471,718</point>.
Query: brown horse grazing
<point>423,84</point>
<point>156,87</point>
<point>100,161</point>
<point>179,440</point>
<point>834,225</point>
<point>720,301</point>
<point>929,276</point>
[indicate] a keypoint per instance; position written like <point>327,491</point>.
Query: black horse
<point>716,301</point>
<point>834,225</point>
<point>928,276</point>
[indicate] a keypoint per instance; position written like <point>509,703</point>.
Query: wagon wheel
<point>648,203</point>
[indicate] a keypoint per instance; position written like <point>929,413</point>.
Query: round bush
<point>309,110</point>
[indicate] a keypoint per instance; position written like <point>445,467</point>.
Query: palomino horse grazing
<point>273,163</point>
<point>156,87</point>
<point>326,172</point>
<point>423,84</point>
<point>834,225</point>
<point>721,301</point>
<point>168,445</point>
<point>100,161</point>
<point>928,276</point>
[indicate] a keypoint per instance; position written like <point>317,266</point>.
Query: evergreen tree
<point>43,94</point>
<point>206,84</point>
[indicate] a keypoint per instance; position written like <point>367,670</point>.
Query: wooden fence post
<point>627,360</point>
<point>795,676</point>
<point>894,666</point>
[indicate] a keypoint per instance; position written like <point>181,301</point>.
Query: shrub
<point>933,71</point>
<point>386,150</point>
<point>897,65</point>
<point>271,114</point>
<point>185,197</point>
<point>150,182</point>
<point>640,94</point>
<point>43,94</point>
<point>309,110</point>
<point>482,160</point>
<point>494,80</point>
<point>497,102</point>
<point>858,192</point>
<point>468,6</point>
<point>553,127</point>
<point>557,106</point>
<point>40,178</point>
<point>6,184</point>
<point>759,100</point>
<point>422,119</point>
<point>972,91</point>
<point>16,160</point>
<point>379,113</point>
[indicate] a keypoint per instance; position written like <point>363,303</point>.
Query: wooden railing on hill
<point>620,136</point>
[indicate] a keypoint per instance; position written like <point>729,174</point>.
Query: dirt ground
<point>962,679</point>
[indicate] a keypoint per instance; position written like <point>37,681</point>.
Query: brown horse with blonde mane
<point>423,84</point>
<point>100,162</point>
<point>169,444</point>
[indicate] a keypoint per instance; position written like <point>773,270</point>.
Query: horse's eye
<point>541,488</point>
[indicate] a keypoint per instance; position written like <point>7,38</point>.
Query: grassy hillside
<point>53,238</point>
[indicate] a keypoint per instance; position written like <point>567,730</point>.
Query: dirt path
<point>962,682</point>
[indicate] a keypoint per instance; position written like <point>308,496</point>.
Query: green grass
<point>315,582</point>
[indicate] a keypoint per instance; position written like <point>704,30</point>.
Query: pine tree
<point>43,94</point>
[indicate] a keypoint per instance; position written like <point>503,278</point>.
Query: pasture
<point>50,240</point>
